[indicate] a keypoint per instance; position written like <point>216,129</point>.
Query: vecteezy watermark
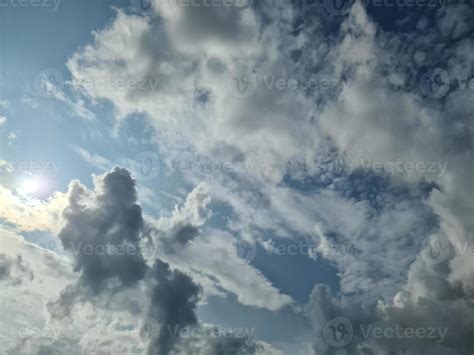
<point>104,249</point>
<point>138,84</point>
<point>52,243</point>
<point>241,251</point>
<point>243,82</point>
<point>339,332</point>
<point>211,332</point>
<point>88,249</point>
<point>398,332</point>
<point>48,82</point>
<point>398,165</point>
<point>141,6</point>
<point>234,4</point>
<point>403,167</point>
<point>437,249</point>
<point>435,83</point>
<point>33,167</point>
<point>209,167</point>
<point>342,7</point>
<point>291,249</point>
<point>146,166</point>
<point>47,4</point>
<point>14,334</point>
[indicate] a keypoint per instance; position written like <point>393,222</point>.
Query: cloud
<point>3,120</point>
<point>100,223</point>
<point>184,240</point>
<point>97,161</point>
<point>35,276</point>
<point>183,225</point>
<point>108,250</point>
<point>223,341</point>
<point>14,270</point>
<point>30,215</point>
<point>149,55</point>
<point>407,324</point>
<point>174,65</point>
<point>370,121</point>
<point>173,304</point>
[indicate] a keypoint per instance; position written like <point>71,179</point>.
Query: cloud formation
<point>234,83</point>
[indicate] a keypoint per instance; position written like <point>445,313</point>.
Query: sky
<point>236,177</point>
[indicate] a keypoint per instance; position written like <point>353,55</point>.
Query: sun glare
<point>33,185</point>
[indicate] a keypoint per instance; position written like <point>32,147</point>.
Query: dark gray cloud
<point>103,232</point>
<point>234,346</point>
<point>173,305</point>
<point>408,326</point>
<point>180,235</point>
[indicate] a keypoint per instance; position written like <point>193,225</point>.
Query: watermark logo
<point>146,166</point>
<point>47,4</point>
<point>241,83</point>
<point>211,332</point>
<point>117,83</point>
<point>436,249</point>
<point>33,167</point>
<point>435,83</point>
<point>210,167</point>
<point>296,248</point>
<point>48,242</point>
<point>398,332</point>
<point>338,332</point>
<point>402,167</point>
<point>235,4</point>
<point>141,6</point>
<point>343,7</point>
<point>48,82</point>
<point>241,251</point>
<point>338,7</point>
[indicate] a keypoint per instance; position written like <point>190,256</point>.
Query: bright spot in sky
<point>33,185</point>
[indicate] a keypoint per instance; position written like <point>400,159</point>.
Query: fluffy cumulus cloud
<point>104,233</point>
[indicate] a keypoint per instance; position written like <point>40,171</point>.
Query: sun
<point>33,185</point>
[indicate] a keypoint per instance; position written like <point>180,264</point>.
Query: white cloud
<point>30,214</point>
<point>208,255</point>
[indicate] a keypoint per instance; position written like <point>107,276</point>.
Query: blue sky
<point>277,168</point>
